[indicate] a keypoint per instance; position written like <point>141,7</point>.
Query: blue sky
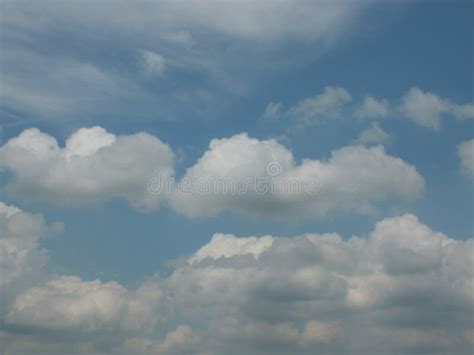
<point>188,76</point>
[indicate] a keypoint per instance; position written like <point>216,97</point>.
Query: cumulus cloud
<point>63,311</point>
<point>93,165</point>
<point>403,288</point>
<point>327,105</point>
<point>226,245</point>
<point>427,108</point>
<point>319,293</point>
<point>20,256</point>
<point>261,179</point>
<point>68,304</point>
<point>373,135</point>
<point>354,178</point>
<point>466,155</point>
<point>372,108</point>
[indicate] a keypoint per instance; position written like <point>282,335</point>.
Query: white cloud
<point>373,135</point>
<point>20,257</point>
<point>94,165</point>
<point>273,111</point>
<point>466,155</point>
<point>37,301</point>
<point>427,108</point>
<point>153,63</point>
<point>308,294</point>
<point>227,245</point>
<point>354,178</point>
<point>373,108</point>
<point>8,211</point>
<point>328,105</point>
<point>424,108</point>
<point>68,304</point>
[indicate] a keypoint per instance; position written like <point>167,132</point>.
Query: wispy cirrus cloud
<point>47,78</point>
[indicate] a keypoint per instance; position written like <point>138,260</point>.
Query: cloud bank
<point>403,289</point>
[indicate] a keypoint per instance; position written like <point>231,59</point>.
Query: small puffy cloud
<point>465,111</point>
<point>273,111</point>
<point>423,107</point>
<point>427,108</point>
<point>94,165</point>
<point>373,135</point>
<point>466,155</point>
<point>327,105</point>
<point>372,108</point>
<point>236,174</point>
<point>154,64</point>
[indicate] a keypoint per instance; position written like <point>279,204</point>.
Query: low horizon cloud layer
<point>268,295</point>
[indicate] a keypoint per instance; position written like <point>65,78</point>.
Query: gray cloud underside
<point>403,289</point>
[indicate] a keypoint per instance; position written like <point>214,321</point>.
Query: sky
<point>112,112</point>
